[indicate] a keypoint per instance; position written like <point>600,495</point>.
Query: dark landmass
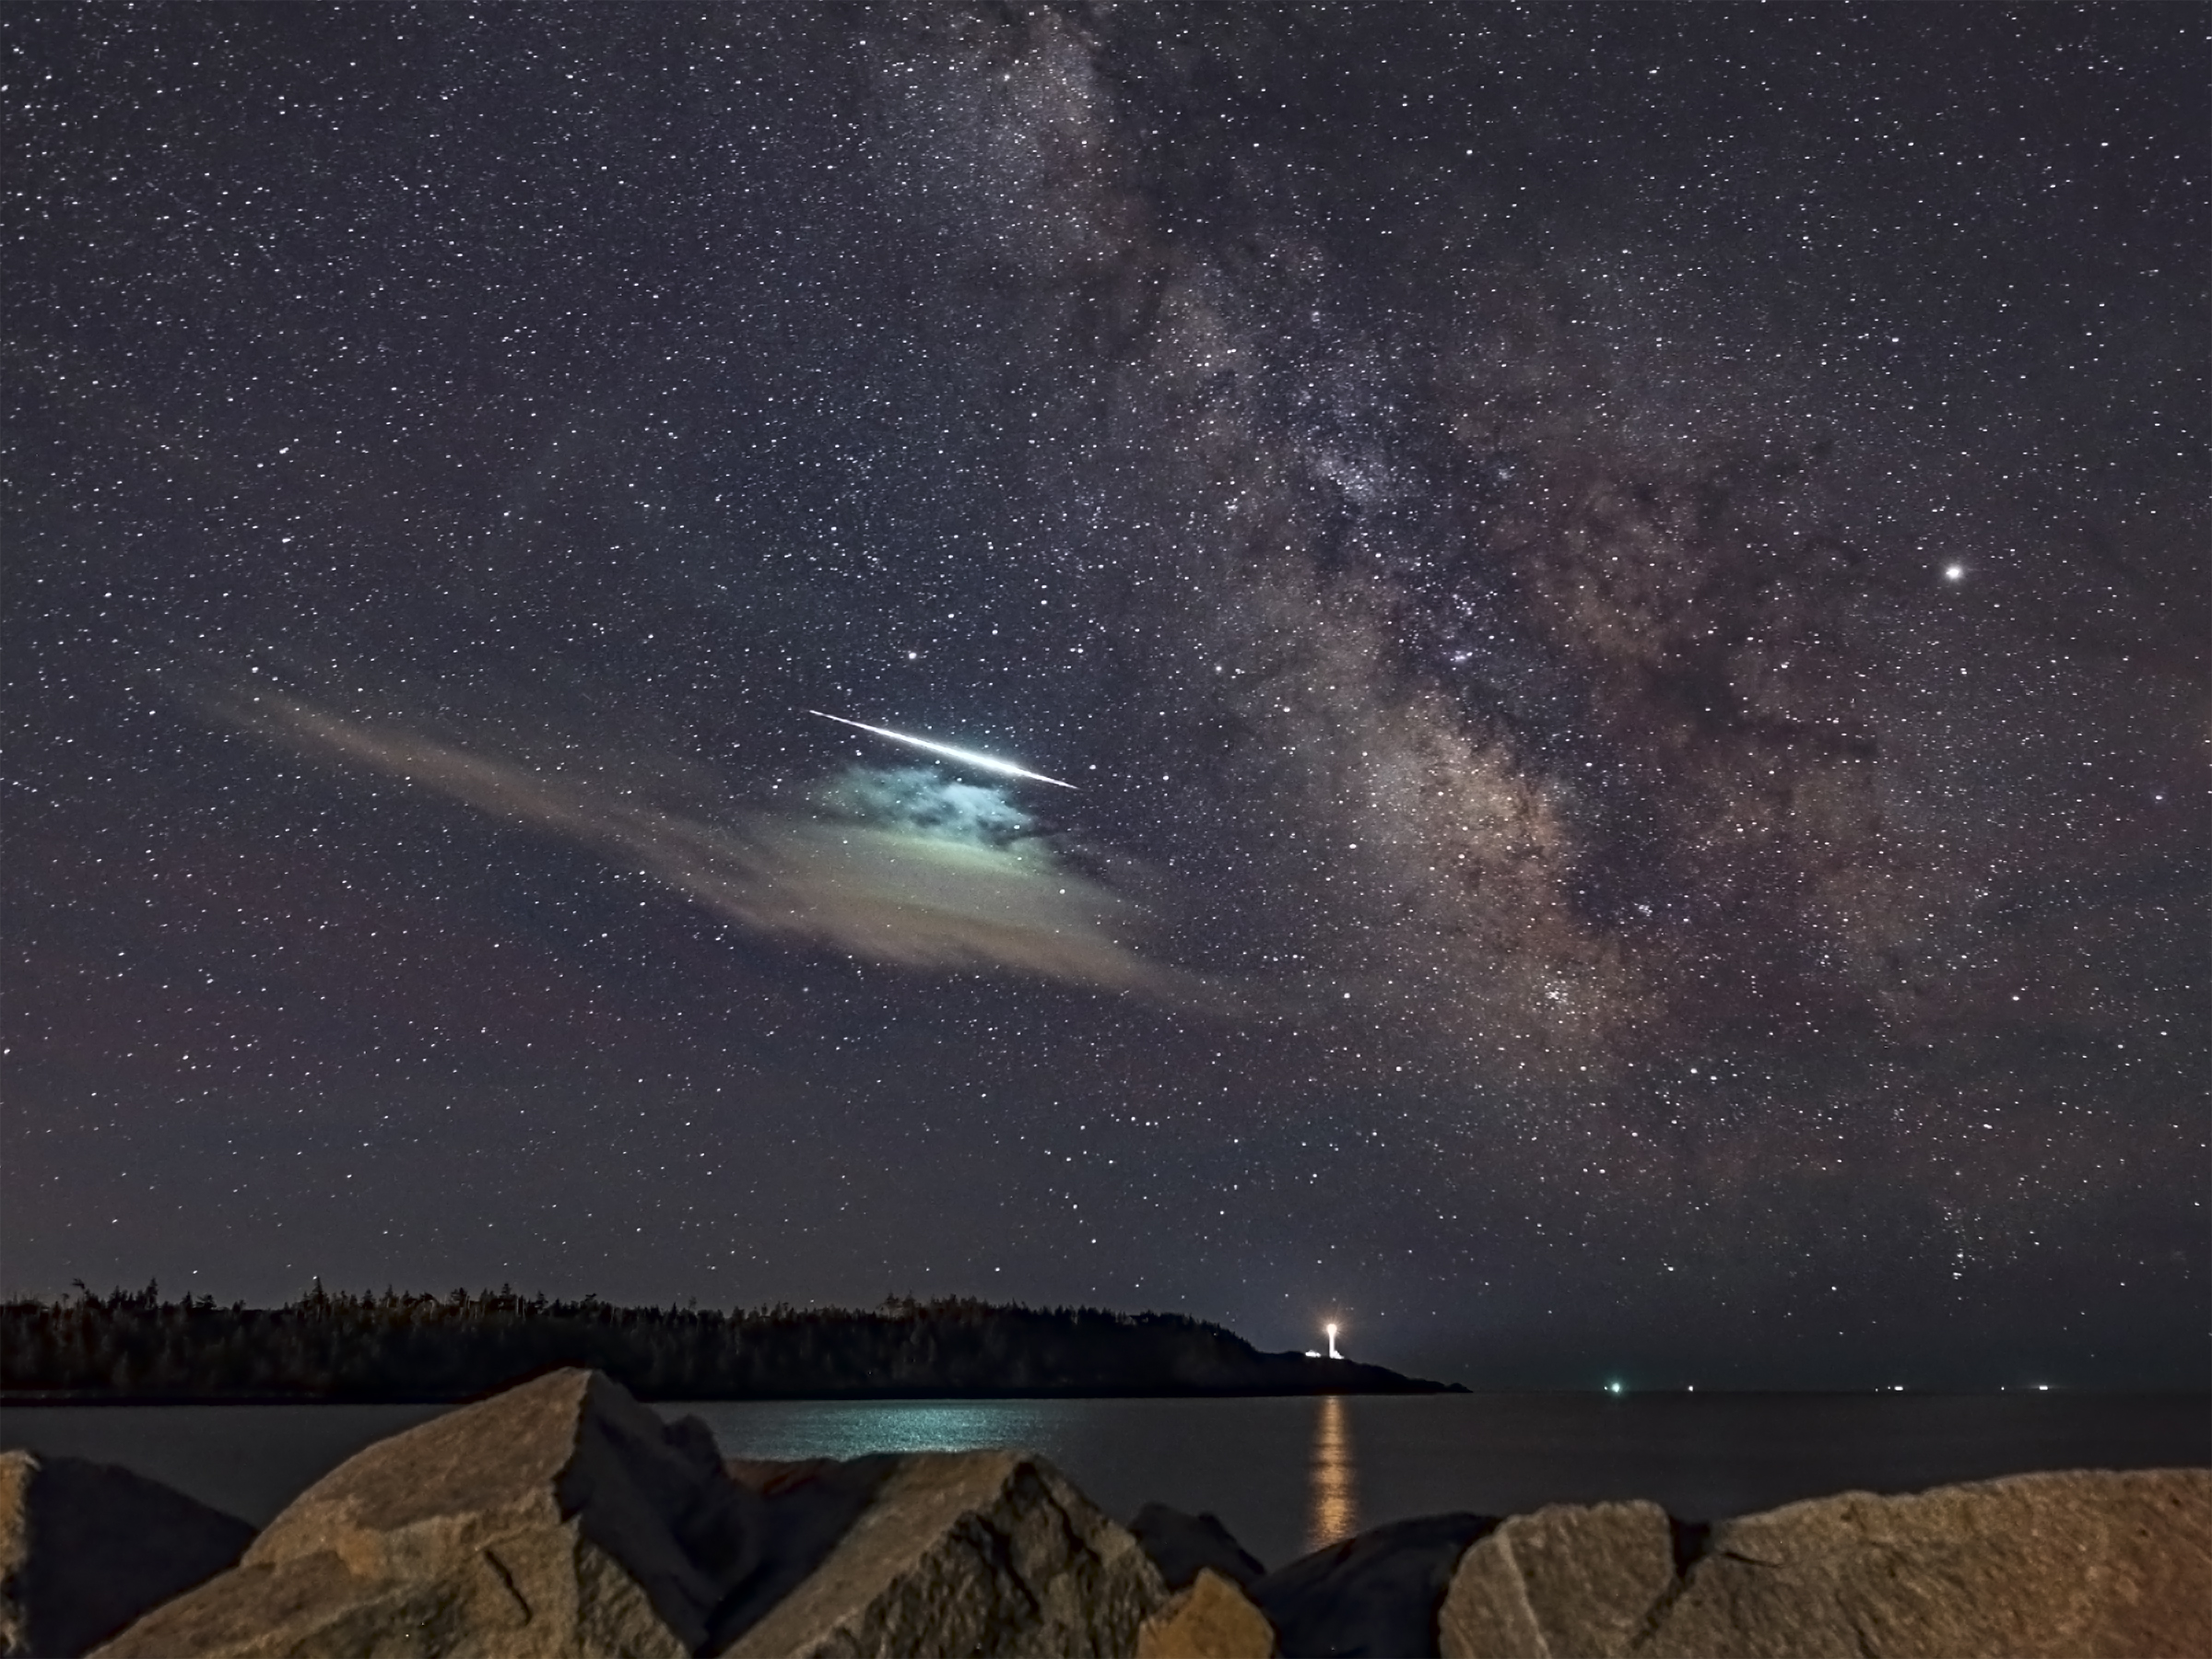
<point>133,1345</point>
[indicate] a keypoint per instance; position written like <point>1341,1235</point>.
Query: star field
<point>1622,590</point>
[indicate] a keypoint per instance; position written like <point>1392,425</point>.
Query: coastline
<point>366,1348</point>
<point>20,1400</point>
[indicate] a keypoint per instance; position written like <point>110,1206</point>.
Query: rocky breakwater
<point>2063,1566</point>
<point>564,1518</point>
<point>2059,1566</point>
<point>560,1517</point>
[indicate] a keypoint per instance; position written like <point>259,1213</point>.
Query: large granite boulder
<point>1571,1579</point>
<point>2068,1566</point>
<point>1376,1595</point>
<point>86,1548</point>
<point>938,1553</point>
<point>1208,1619</point>
<point>559,1518</point>
<point>1181,1545</point>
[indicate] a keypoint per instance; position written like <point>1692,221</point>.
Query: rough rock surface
<point>1569,1579</point>
<point>1180,1545</point>
<point>2071,1566</point>
<point>811,1504</point>
<point>1209,1619</point>
<point>940,1553</point>
<point>559,1518</point>
<point>1375,1594</point>
<point>86,1548</point>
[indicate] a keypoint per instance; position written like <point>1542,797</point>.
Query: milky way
<point>1621,589</point>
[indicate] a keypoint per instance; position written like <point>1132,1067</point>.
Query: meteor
<point>965,757</point>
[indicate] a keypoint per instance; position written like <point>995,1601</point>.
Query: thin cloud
<point>921,891</point>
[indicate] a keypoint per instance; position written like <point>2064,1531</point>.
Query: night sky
<point>1624,592</point>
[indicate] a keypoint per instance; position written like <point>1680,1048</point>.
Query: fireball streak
<point>966,756</point>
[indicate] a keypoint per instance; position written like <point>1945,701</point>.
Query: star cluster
<point>1622,590</point>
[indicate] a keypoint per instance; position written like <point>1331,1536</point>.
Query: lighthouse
<point>1333,1353</point>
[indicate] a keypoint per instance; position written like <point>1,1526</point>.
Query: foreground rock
<point>1572,1579</point>
<point>1209,1619</point>
<point>1376,1595</point>
<point>559,1518</point>
<point>981,1553</point>
<point>1181,1545</point>
<point>2071,1566</point>
<point>86,1548</point>
<point>2068,1566</point>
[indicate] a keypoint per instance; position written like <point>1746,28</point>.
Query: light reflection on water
<point>856,1428</point>
<point>1333,1512</point>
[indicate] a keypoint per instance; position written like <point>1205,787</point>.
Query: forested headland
<point>391,1345</point>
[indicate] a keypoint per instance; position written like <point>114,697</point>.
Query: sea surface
<point>1285,1475</point>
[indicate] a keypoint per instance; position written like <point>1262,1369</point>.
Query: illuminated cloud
<point>902,865</point>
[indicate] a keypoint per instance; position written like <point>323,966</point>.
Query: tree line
<point>394,1346</point>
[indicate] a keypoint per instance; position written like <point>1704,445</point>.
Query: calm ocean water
<point>1286,1475</point>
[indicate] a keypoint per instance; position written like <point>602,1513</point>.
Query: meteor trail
<point>966,756</point>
